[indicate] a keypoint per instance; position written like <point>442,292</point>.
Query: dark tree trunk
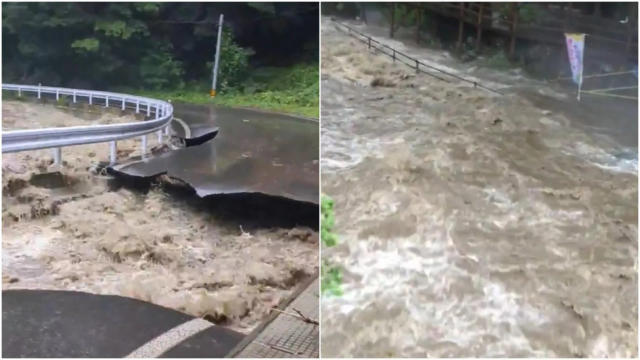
<point>393,20</point>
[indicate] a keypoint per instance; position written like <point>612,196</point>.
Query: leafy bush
<point>331,276</point>
<point>158,69</point>
<point>499,60</point>
<point>328,221</point>
<point>234,62</point>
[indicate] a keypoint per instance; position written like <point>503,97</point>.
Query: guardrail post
<point>74,96</point>
<point>106,101</point>
<point>417,66</point>
<point>19,92</point>
<point>39,85</point>
<point>148,109</point>
<point>112,152</point>
<point>57,95</point>
<point>143,149</point>
<point>157,112</point>
<point>394,55</point>
<point>57,156</point>
<point>369,42</point>
<point>90,98</point>
<point>122,104</point>
<point>137,106</point>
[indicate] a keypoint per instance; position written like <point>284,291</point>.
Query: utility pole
<point>217,58</point>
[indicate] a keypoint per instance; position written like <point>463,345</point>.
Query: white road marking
<point>164,342</point>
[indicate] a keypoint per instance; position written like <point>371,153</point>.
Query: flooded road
<point>268,153</point>
<point>482,225</point>
<point>69,228</point>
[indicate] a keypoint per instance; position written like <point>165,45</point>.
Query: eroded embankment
<point>470,224</point>
<point>78,231</point>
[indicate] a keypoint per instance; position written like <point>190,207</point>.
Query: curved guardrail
<point>159,114</point>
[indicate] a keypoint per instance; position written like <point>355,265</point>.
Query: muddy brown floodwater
<point>75,231</point>
<point>480,225</point>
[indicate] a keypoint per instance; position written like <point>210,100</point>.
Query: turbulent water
<point>472,224</point>
<point>73,231</point>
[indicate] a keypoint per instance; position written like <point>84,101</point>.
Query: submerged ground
<point>77,231</point>
<point>480,224</point>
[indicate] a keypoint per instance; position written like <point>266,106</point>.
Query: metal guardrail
<point>414,63</point>
<point>159,114</point>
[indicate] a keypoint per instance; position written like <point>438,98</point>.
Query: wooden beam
<point>513,25</point>
<point>393,20</point>
<point>479,28</point>
<point>418,10</point>
<point>460,26</point>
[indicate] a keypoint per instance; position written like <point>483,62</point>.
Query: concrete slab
<point>287,335</point>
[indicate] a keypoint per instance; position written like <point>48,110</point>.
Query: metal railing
<point>159,115</point>
<point>414,63</point>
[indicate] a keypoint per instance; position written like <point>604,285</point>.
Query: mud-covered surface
<point>70,228</point>
<point>482,225</point>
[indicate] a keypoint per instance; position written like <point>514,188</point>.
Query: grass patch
<point>499,61</point>
<point>293,90</point>
<point>330,275</point>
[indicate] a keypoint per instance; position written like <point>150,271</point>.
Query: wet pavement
<point>254,152</point>
<point>44,323</point>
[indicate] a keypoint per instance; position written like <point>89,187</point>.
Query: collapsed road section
<point>256,152</point>
<point>67,226</point>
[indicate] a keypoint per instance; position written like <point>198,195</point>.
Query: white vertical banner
<point>575,49</point>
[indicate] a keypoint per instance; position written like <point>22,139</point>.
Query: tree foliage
<point>150,45</point>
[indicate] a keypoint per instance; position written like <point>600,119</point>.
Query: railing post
<point>90,98</point>
<point>39,85</point>
<point>57,95</point>
<point>148,109</point>
<point>113,146</point>
<point>123,104</point>
<point>19,92</point>
<point>157,112</point>
<point>137,106</point>
<point>74,96</point>
<point>143,149</point>
<point>106,101</point>
<point>57,156</point>
<point>394,55</point>
<point>159,132</point>
<point>417,66</point>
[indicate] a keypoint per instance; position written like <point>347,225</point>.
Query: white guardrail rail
<point>158,117</point>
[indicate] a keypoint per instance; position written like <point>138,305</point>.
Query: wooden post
<point>568,22</point>
<point>393,19</point>
<point>418,21</point>
<point>479,25</point>
<point>514,24</point>
<point>597,11</point>
<point>460,27</point>
<point>632,24</point>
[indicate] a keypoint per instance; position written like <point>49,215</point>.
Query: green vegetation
<point>331,275</point>
<point>499,61</point>
<point>268,58</point>
<point>292,90</point>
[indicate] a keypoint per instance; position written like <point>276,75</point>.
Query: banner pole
<point>584,46</point>
<point>579,87</point>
